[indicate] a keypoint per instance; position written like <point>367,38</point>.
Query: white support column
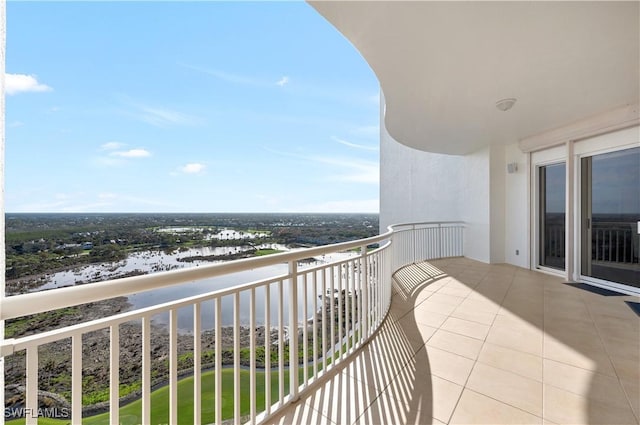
<point>173,366</point>
<point>197,360</point>
<point>76,378</point>
<point>364,286</point>
<point>571,199</point>
<point>114,374</point>
<point>293,330</point>
<point>32,386</point>
<point>146,369</point>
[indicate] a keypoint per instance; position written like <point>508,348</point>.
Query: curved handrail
<point>365,280</point>
<point>37,302</point>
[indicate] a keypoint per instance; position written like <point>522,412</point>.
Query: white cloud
<point>132,153</point>
<point>15,124</point>
<point>282,81</point>
<point>355,145</point>
<point>192,168</point>
<point>22,83</point>
<point>109,146</point>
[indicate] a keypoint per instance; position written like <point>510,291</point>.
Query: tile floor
<point>471,343</point>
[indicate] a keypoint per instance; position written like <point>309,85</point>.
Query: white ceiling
<point>443,65</point>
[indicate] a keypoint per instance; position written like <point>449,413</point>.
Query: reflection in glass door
<point>552,186</point>
<point>610,198</point>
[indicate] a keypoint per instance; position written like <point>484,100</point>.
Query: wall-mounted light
<point>506,104</point>
<point>512,167</point>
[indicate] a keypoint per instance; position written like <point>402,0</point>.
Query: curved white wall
<point>417,186</point>
<point>475,188</point>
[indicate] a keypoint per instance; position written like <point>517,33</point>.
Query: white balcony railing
<point>321,314</point>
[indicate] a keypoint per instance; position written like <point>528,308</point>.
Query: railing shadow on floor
<point>388,380</point>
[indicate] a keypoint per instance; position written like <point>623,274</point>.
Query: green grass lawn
<point>260,252</point>
<point>131,413</point>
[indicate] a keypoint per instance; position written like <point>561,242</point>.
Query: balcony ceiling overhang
<point>442,66</point>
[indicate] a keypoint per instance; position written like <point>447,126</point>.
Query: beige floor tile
<point>564,326</point>
<point>584,382</point>
<point>570,308</point>
<point>398,309</point>
<point>565,407</point>
<point>491,293</point>
<point>390,353</point>
<point>586,340</point>
<point>449,366</point>
<point>518,362</point>
<point>534,318</point>
<point>514,319</point>
<point>388,409</point>
<point>434,285</point>
<point>627,367</point>
<point>613,330</point>
<point>593,359</point>
<point>461,312</point>
<point>443,396</point>
<point>466,328</point>
<point>480,303</point>
<point>456,291</point>
<point>632,390</point>
<point>523,298</point>
<point>435,307</point>
<point>342,399</point>
<point>370,368</point>
<point>623,348</point>
<point>429,318</point>
<point>422,295</point>
<point>300,414</point>
<point>590,346</point>
<point>446,299</point>
<point>516,338</point>
<point>474,408</point>
<point>515,390</point>
<point>415,333</point>
<point>457,344</point>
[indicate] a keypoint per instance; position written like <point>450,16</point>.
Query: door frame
<point>572,152</point>
<point>596,146</point>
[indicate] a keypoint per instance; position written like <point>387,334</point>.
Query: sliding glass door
<point>552,195</point>
<point>610,216</point>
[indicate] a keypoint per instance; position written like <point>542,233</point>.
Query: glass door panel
<point>610,216</point>
<point>552,186</point>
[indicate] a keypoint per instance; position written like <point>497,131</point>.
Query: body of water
<point>157,261</point>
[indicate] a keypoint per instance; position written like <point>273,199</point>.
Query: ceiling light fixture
<point>505,104</point>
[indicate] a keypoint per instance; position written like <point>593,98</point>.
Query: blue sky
<point>186,107</point>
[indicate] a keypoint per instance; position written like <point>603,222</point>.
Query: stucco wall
<point>475,188</point>
<point>497,205</point>
<point>517,197</point>
<point>474,198</point>
<point>416,185</point>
